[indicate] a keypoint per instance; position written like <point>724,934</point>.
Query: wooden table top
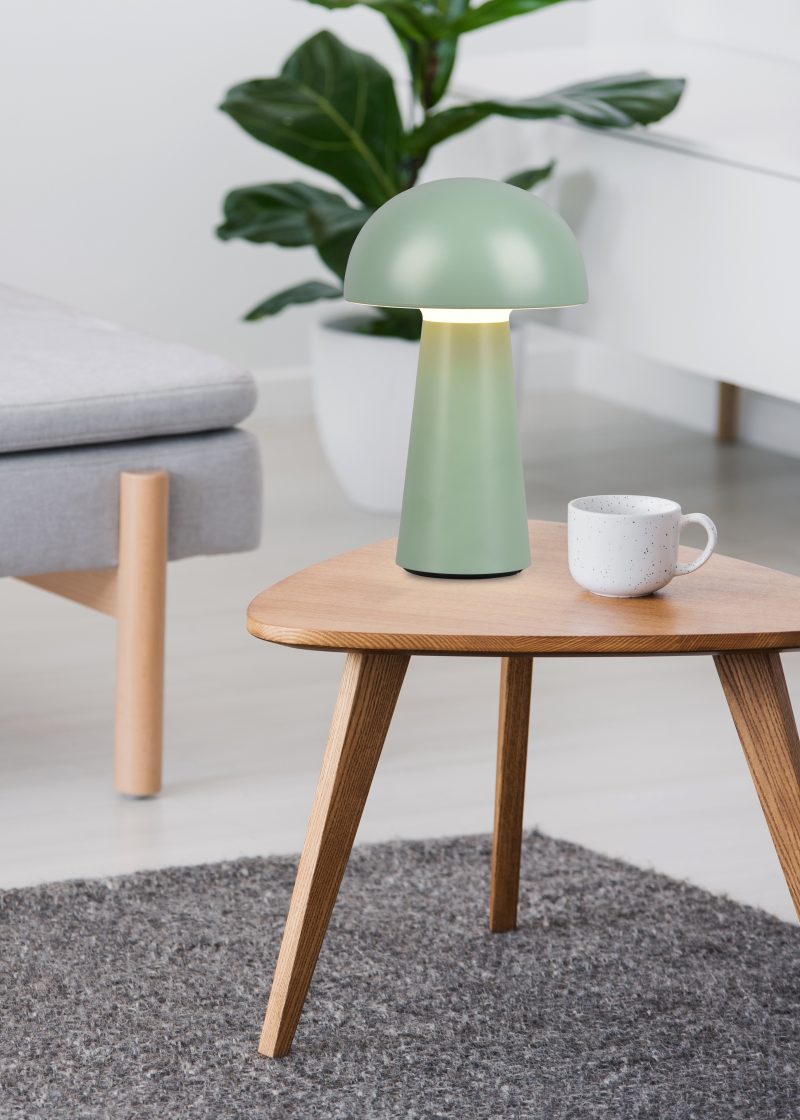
<point>362,600</point>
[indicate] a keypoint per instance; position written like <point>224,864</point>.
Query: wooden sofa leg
<point>141,604</point>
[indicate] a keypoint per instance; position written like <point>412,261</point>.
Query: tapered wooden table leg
<point>512,753</point>
<point>756,691</point>
<point>367,696</point>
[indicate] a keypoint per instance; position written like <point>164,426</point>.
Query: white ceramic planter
<point>363,392</point>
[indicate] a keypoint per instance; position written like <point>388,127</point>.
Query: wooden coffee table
<point>363,604</point>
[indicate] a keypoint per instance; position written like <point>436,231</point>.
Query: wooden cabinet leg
<point>367,697</point>
<point>728,402</point>
<point>757,696</point>
<point>140,609</point>
<point>512,753</point>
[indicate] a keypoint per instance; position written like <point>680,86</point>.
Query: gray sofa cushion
<point>67,378</point>
<point>59,509</point>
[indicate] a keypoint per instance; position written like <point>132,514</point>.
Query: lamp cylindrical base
<point>464,510</point>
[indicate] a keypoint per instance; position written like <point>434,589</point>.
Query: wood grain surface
<point>96,589</point>
<point>370,686</point>
<point>363,600</point>
<point>756,691</point>
<point>141,618</point>
<point>509,797</point>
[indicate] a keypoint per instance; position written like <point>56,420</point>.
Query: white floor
<point>246,722</point>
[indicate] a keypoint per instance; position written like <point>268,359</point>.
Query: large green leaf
<point>281,213</point>
<point>494,11</point>
<point>618,102</point>
<point>426,33</point>
<point>333,109</point>
<point>309,292</point>
<point>529,179</point>
<point>294,214</point>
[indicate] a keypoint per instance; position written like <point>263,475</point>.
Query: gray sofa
<point>119,452</point>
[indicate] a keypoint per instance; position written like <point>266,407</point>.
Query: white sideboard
<point>690,229</point>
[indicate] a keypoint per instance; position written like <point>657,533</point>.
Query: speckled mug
<point>626,545</point>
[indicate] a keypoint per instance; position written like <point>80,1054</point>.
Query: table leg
<point>757,696</point>
<point>512,753</point>
<point>367,696</point>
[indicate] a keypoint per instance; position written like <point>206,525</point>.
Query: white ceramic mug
<point>626,545</point>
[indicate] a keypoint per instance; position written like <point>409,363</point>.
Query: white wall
<point>770,27</point>
<point>114,158</point>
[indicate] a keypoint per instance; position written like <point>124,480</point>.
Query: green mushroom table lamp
<point>466,252</point>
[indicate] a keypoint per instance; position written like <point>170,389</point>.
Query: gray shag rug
<point>623,994</point>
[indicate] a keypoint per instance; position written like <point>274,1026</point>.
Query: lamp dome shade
<point>465,243</point>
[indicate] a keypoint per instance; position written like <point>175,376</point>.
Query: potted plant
<point>335,110</point>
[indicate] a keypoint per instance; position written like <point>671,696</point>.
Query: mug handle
<point>711,544</point>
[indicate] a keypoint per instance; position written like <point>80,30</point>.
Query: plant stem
<point>424,66</point>
<point>429,74</point>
